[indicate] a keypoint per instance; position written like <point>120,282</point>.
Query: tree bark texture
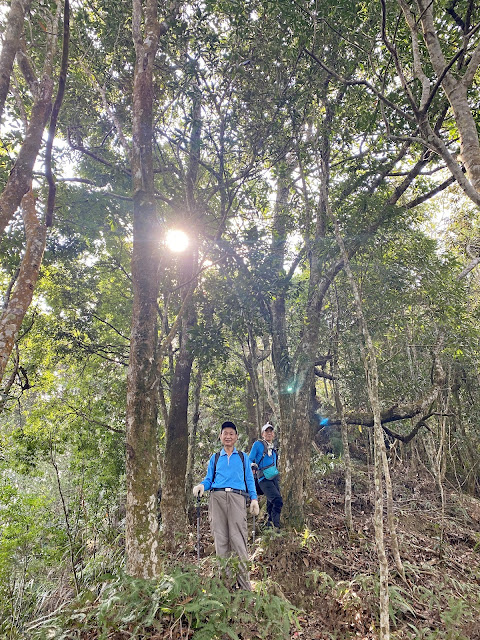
<point>21,296</point>
<point>142,465</point>
<point>292,463</point>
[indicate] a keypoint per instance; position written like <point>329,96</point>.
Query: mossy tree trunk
<point>142,469</point>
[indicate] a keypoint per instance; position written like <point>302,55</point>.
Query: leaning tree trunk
<point>18,188</point>
<point>142,469</point>
<point>20,178</point>
<point>21,297</point>
<point>456,87</point>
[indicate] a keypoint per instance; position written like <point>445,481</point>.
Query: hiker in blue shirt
<point>263,459</point>
<point>230,480</point>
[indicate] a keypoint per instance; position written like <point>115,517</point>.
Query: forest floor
<point>329,576</point>
<point>333,577</point>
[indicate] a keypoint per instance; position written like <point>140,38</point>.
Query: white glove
<point>198,490</point>
<point>254,508</point>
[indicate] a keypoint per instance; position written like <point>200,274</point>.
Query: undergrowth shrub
<point>180,602</point>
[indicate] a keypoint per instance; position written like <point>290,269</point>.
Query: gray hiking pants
<point>228,522</point>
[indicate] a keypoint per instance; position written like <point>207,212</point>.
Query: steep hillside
<point>333,577</point>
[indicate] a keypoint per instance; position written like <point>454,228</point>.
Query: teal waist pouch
<point>270,472</point>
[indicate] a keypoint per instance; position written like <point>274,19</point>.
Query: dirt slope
<point>332,576</point>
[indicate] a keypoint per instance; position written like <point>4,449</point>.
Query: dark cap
<point>228,425</point>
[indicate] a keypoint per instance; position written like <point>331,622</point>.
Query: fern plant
<point>182,598</point>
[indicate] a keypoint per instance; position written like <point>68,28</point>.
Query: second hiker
<point>263,458</point>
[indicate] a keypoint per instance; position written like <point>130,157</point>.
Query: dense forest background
<point>323,162</point>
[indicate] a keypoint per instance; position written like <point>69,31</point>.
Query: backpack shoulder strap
<point>265,449</point>
<point>242,456</point>
<point>217,456</point>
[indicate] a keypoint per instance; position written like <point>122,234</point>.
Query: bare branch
<point>468,268</point>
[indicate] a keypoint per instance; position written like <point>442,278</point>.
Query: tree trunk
<point>174,504</point>
<point>192,434</point>
<point>174,498</point>
<point>21,297</point>
<point>11,39</point>
<point>465,448</point>
<point>456,89</point>
<point>344,431</point>
<point>455,81</point>
<point>251,359</point>
<point>371,372</point>
<point>295,376</point>
<point>252,417</point>
<point>293,391</point>
<point>296,442</point>
<point>20,178</point>
<point>142,468</point>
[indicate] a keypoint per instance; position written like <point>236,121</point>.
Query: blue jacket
<point>256,455</point>
<point>230,474</point>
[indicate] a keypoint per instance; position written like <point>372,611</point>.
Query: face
<point>269,434</point>
<point>228,437</point>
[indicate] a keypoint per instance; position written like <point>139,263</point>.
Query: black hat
<point>228,425</point>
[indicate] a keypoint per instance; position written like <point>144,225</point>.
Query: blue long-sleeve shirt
<point>230,474</point>
<point>256,456</point>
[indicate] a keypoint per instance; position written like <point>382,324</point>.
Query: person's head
<point>228,434</point>
<point>268,432</point>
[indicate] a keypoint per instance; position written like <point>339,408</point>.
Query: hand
<point>254,508</point>
<point>198,490</point>
<point>254,466</point>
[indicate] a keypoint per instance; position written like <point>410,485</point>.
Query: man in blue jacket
<point>230,480</point>
<point>263,458</point>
